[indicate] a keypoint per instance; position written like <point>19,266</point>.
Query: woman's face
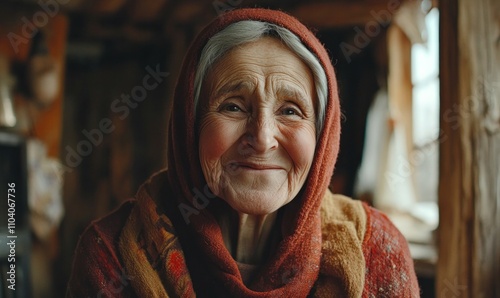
<point>257,127</point>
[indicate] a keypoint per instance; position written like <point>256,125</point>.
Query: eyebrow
<point>291,92</point>
<point>283,91</point>
<point>296,94</point>
<point>233,87</point>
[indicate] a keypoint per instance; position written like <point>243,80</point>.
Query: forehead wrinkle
<point>287,92</point>
<point>234,86</point>
<point>291,88</point>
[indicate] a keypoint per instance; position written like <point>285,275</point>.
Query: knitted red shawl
<point>298,254</point>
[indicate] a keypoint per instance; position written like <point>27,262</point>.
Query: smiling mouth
<point>253,166</point>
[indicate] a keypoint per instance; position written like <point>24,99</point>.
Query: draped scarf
<point>155,261</point>
<point>294,265</point>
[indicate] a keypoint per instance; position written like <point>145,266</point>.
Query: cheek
<point>301,145</point>
<point>216,137</point>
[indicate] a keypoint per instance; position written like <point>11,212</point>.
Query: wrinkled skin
<point>257,130</point>
<point>257,137</point>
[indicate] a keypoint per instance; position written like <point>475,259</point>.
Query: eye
<point>290,111</point>
<point>231,107</point>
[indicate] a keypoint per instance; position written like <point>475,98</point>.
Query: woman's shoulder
<point>107,229</point>
<point>371,226</point>
<point>382,237</point>
<point>97,267</point>
<point>376,252</point>
<point>389,265</point>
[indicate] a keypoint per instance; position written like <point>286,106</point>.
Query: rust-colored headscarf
<point>293,267</point>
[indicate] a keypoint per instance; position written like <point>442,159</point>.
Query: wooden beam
<point>400,86</point>
<point>469,191</point>
<point>342,14</point>
<point>48,125</point>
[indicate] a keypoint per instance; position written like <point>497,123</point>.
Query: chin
<point>252,207</point>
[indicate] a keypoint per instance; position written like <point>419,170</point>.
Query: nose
<point>260,135</point>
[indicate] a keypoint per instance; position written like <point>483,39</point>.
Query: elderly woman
<point>244,208</point>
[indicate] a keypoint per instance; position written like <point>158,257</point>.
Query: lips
<point>254,166</point>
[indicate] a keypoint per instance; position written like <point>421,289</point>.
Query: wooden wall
<point>469,185</point>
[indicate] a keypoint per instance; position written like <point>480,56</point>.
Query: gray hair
<point>248,31</point>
